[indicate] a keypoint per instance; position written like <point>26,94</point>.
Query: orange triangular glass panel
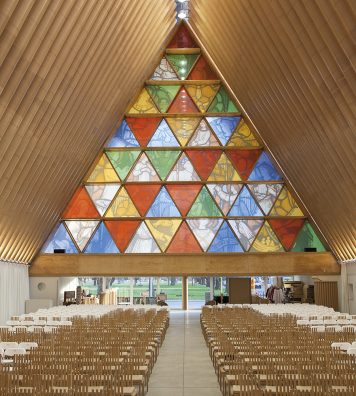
<point>122,231</point>
<point>184,241</point>
<point>142,195</point>
<point>80,207</point>
<point>183,103</point>
<point>202,71</point>
<point>204,161</point>
<point>286,230</point>
<point>244,160</point>
<point>183,195</point>
<point>182,39</point>
<point>143,128</point>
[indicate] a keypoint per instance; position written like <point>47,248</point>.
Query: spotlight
<point>182,15</point>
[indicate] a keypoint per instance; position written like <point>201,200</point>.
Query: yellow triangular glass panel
<point>103,172</point>
<point>285,205</point>
<point>122,206</point>
<point>202,95</point>
<point>243,137</point>
<point>266,241</point>
<point>144,104</point>
<point>163,230</point>
<point>224,171</point>
<point>183,128</point>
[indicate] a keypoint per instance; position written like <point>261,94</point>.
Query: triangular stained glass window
<point>202,94</point>
<point>103,172</point>
<point>286,230</point>
<point>243,137</point>
<point>101,242</point>
<point>224,195</point>
<point>183,127</point>
<point>164,71</point>
<point>143,241</point>
<point>183,195</point>
<point>142,195</point>
<point>223,127</point>
<point>123,137</point>
<point>143,127</point>
<point>307,238</point>
<point>264,170</point>
<point>202,71</point>
<point>204,230</point>
<point>285,205</point>
<point>246,231</point>
<point>245,205</point>
<point>144,104</point>
<point>183,170</point>
<point>122,231</point>
<point>222,103</point>
<point>80,207</point>
<point>182,63</point>
<point>183,103</point>
<point>81,231</point>
<point>203,136</point>
<point>163,95</point>
<point>204,161</point>
<point>225,241</point>
<point>122,206</point>
<point>59,240</point>
<point>244,160</point>
<point>163,137</point>
<point>265,194</point>
<point>143,171</point>
<point>163,161</point>
<point>163,230</point>
<point>204,206</point>
<point>163,206</point>
<point>266,241</point>
<point>182,39</point>
<point>122,161</point>
<point>184,241</point>
<point>224,171</point>
<point>102,195</point>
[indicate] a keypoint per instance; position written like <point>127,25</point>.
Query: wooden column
<point>326,294</point>
<point>184,293</point>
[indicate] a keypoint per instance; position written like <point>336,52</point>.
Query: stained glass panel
<point>143,241</point>
<point>144,104</point>
<point>307,238</point>
<point>266,241</point>
<point>202,94</point>
<point>101,242</point>
<point>183,170</point>
<point>225,241</point>
<point>285,205</point>
<point>183,195</point>
<point>122,231</point>
<point>102,195</point>
<point>264,170</point>
<point>142,195</point>
<point>103,172</point>
<point>163,206</point>
<point>245,205</point>
<point>163,137</point>
<point>143,128</point>
<point>81,231</point>
<point>224,171</point>
<point>183,103</point>
<point>222,103</point>
<point>122,206</point>
<point>143,171</point>
<point>80,207</point>
<point>223,127</point>
<point>202,71</point>
<point>123,137</point>
<point>182,63</point>
<point>265,194</point>
<point>184,241</point>
<point>163,230</point>
<point>59,240</point>
<point>163,161</point>
<point>183,127</point>
<point>204,161</point>
<point>243,137</point>
<point>224,195</point>
<point>164,71</point>
<point>244,160</point>
<point>182,39</point>
<point>246,231</point>
<point>286,230</point>
<point>203,136</point>
<point>163,95</point>
<point>204,230</point>
<point>122,161</point>
<point>204,206</point>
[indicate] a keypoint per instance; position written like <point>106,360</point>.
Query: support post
<point>184,293</point>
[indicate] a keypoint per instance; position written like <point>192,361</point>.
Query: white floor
<point>183,366</point>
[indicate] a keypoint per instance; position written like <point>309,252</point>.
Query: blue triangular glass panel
<point>225,241</point>
<point>245,205</point>
<point>264,170</point>
<point>163,206</point>
<point>101,242</point>
<point>163,137</point>
<point>223,127</point>
<point>123,137</point>
<point>59,240</point>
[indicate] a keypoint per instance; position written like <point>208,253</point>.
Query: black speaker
<point>59,250</point>
<point>310,249</point>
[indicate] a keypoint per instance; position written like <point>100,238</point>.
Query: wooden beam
<point>185,264</point>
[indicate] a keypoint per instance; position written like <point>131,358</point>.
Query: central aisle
<point>183,366</point>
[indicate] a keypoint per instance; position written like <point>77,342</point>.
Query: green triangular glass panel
<point>182,63</point>
<point>307,238</point>
<point>204,206</point>
<point>163,161</point>
<point>222,103</point>
<point>122,161</point>
<point>163,95</point>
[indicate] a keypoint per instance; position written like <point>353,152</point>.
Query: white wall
<point>14,289</point>
<point>351,280</point>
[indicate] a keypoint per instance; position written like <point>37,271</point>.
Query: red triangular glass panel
<point>183,195</point>
<point>80,207</point>
<point>122,231</point>
<point>244,160</point>
<point>142,195</point>
<point>143,128</point>
<point>204,161</point>
<point>286,230</point>
<point>184,241</point>
<point>182,39</point>
<point>183,103</point>
<point>202,71</point>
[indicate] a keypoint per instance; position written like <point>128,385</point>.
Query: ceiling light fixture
<point>182,15</point>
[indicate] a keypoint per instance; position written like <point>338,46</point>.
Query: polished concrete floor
<point>183,366</point>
